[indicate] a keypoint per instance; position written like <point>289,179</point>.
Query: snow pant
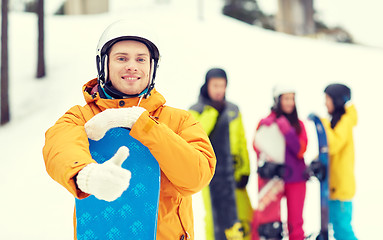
<point>269,206</point>
<point>295,197</point>
<point>340,218</point>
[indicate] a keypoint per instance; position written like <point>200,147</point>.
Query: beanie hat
<point>215,73</point>
<point>212,73</point>
<point>339,94</point>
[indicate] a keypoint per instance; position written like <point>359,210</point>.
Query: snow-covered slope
<point>33,206</point>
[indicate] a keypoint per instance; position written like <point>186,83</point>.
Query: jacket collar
<point>91,95</point>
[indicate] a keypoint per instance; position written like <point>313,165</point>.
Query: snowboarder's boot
<point>271,231</point>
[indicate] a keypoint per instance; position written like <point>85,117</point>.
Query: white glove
<point>98,125</point>
<point>106,181</point>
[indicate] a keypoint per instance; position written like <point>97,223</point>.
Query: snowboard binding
<point>271,231</point>
<point>323,235</point>
<point>235,232</point>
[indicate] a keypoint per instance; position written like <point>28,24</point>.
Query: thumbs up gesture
<point>106,181</point>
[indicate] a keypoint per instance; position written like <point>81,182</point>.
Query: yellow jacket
<point>341,154</point>
<point>173,136</point>
<point>238,146</point>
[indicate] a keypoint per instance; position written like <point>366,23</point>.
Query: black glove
<point>243,181</point>
<point>317,169</point>
<point>270,169</point>
<point>218,105</point>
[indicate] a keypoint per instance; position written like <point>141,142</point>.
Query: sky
<point>33,206</point>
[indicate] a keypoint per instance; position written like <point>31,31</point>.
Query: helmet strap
<point>105,68</point>
<point>153,70</point>
<point>102,64</point>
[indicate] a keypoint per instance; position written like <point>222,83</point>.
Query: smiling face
<point>129,66</point>
<point>288,102</point>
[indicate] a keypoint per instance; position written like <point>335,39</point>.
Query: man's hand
<point>243,182</point>
<point>98,125</point>
<point>106,181</point>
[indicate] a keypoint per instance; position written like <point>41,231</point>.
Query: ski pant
<point>295,197</point>
<point>295,194</point>
<point>340,218</point>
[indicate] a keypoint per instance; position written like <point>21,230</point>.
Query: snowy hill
<point>33,206</point>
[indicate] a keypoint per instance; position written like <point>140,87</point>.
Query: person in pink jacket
<point>267,219</point>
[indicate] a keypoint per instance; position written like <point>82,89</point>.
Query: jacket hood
<point>351,111</point>
<point>212,73</point>
<point>91,94</point>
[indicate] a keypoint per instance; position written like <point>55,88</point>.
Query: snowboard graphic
<point>245,211</point>
<point>270,142</point>
<point>134,214</point>
<point>322,174</point>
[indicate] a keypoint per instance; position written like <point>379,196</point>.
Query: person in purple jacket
<point>292,183</point>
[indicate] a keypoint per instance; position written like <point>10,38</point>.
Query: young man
<point>339,132</point>
<point>123,95</point>
<point>226,199</point>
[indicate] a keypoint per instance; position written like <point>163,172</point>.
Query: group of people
<point>221,120</point>
<point>203,149</point>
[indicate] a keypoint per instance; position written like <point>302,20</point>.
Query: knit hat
<point>215,73</point>
<point>212,73</point>
<point>339,94</point>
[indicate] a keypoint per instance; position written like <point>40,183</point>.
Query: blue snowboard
<point>324,186</point>
<point>134,214</point>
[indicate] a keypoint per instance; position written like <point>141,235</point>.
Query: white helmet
<point>119,31</point>
<point>280,89</point>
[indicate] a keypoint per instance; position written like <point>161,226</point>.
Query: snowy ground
<point>33,206</point>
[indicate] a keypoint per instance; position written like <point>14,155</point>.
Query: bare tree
<point>200,10</point>
<point>41,49</point>
<point>295,17</point>
<point>86,6</point>
<point>4,116</point>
